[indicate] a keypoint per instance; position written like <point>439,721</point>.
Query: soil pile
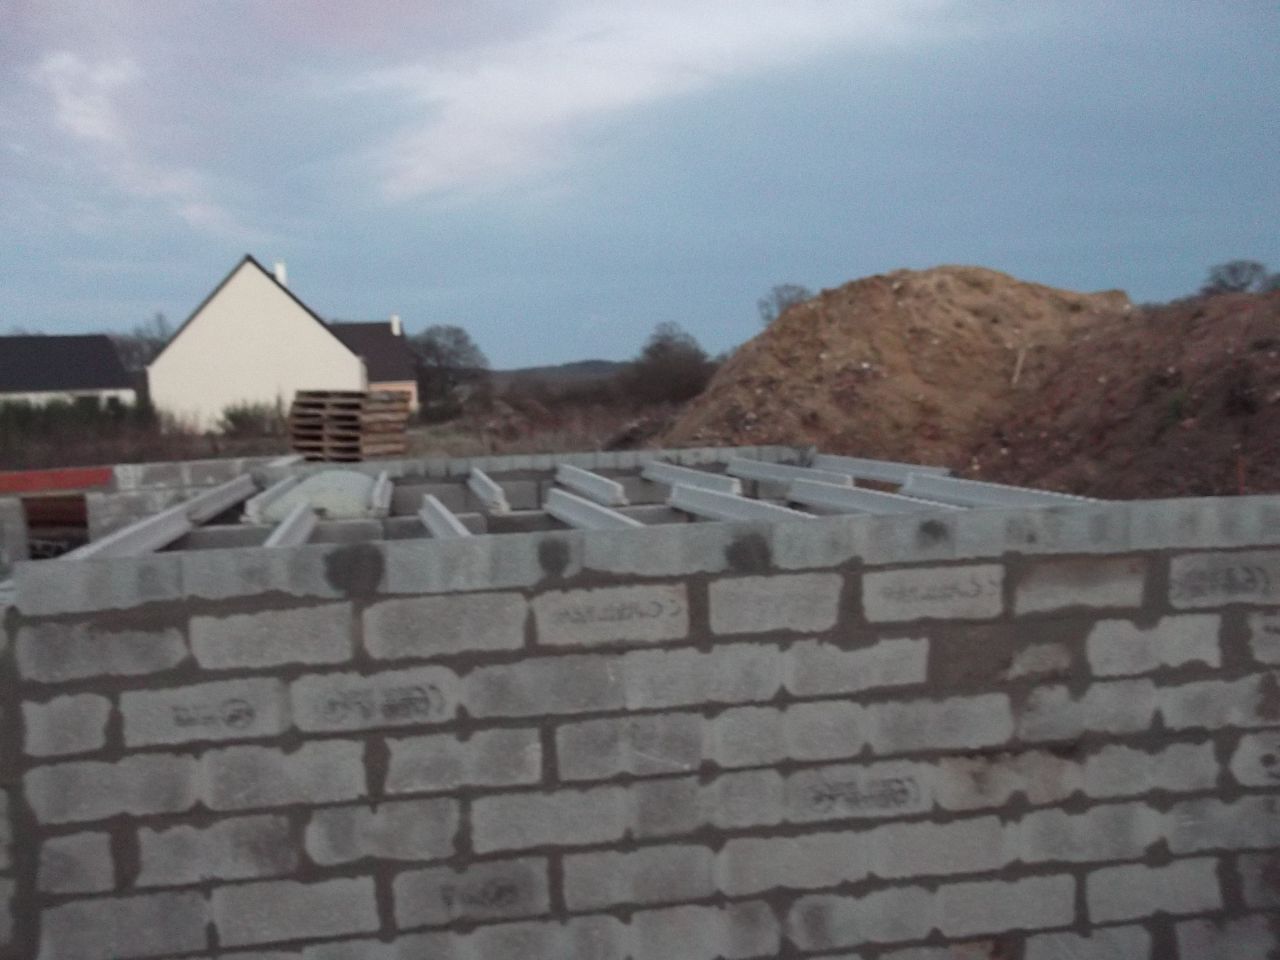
<point>1178,400</point>
<point>910,365</point>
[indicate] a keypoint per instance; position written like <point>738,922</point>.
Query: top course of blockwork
<point>178,532</point>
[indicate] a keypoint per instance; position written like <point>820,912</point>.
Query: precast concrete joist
<point>295,529</point>
<point>881,471</point>
<point>976,493</point>
<point>255,507</point>
<point>439,520</point>
<point>591,486</point>
<point>831,498</point>
<point>713,505</point>
<point>783,473</point>
<point>488,492</point>
<point>380,496</point>
<point>583,514</point>
<point>671,475</point>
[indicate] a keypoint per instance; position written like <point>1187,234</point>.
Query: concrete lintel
<point>976,493</point>
<point>439,520</point>
<point>585,515</point>
<point>487,491</point>
<point>714,505</point>
<point>671,475</point>
<point>832,498</point>
<point>380,496</point>
<point>295,529</point>
<point>592,486</point>
<point>783,473</point>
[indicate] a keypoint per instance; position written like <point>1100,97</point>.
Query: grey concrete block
<point>426,627</point>
<point>65,725</point>
<point>92,790</point>
<point>749,865</point>
<point>82,586</point>
<point>957,723</point>
<point>512,562</point>
<point>661,874</point>
<point>1110,943</point>
<point>748,799</point>
<point>814,668</point>
<point>905,851</point>
<point>648,614</point>
<point>962,593</point>
<point>239,848</point>
<point>1213,704</point>
<point>1256,760</point>
<point>76,863</point>
<point>1260,879</point>
<point>979,782</point>
<point>651,744</point>
<point>1116,771</point>
<point>504,889</point>
<point>392,698</point>
<point>238,778</point>
<point>1040,660</point>
<point>226,710</point>
<point>801,602</point>
<point>734,931</point>
<point>1217,579</point>
<point>665,808</point>
<point>1122,648</point>
<point>1133,890</point>
<point>885,916</point>
<point>1264,636</point>
<point>299,572</point>
<point>1110,832</point>
<point>1094,582</point>
<point>569,818</point>
<point>268,638</point>
<point>277,910</point>
<point>443,762</point>
<point>965,909</point>
<point>878,790</point>
<point>729,673</point>
<point>666,551</point>
<point>394,830</point>
<point>1052,713</point>
<point>1249,823</point>
<point>58,652</point>
<point>828,730</point>
<point>572,684</point>
<point>748,737</point>
<point>1235,939</point>
<point>580,938</point>
<point>115,927</point>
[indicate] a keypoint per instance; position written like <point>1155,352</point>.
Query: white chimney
<point>396,329</point>
<point>281,277</point>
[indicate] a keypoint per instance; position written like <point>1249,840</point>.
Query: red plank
<point>65,478</point>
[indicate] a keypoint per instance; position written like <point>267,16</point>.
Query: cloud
<point>504,110</point>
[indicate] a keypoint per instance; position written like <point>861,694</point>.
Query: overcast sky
<point>558,176</point>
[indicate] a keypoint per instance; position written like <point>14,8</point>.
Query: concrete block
<point>661,874</point>
<point>827,730</point>
<point>749,799</point>
<point>980,782</point>
<point>426,627</point>
<point>731,673</point>
<point>1135,891</point>
<point>572,684</point>
<point>905,851</point>
<point>503,889</point>
<point>115,927</point>
<point>884,916</point>
<point>1260,879</point>
<point>651,744</point>
<point>276,910</point>
<point>239,848</point>
<point>666,551</point>
<point>238,778</point>
<point>1213,704</point>
<point>269,638</point>
<point>1122,648</point>
<point>877,790</point>
<point>84,586</point>
<point>965,909</point>
<point>799,602</point>
<point>443,762</point>
<point>93,790</point>
<point>961,593</point>
<point>958,723</point>
<point>734,931</point>
<point>59,652</point>
<point>65,725</point>
<point>664,808</point>
<point>1235,939</point>
<point>76,863</point>
<point>569,818</point>
<point>579,938</point>
<point>225,710</point>
<point>303,572</point>
<point>477,563</point>
<point>747,737</point>
<point>814,668</point>
<point>1250,823</point>
<point>1116,771</point>
<point>1256,761</point>
<point>1264,636</point>
<point>1040,660</point>
<point>1094,582</point>
<point>1109,943</point>
<point>394,830</point>
<point>644,614</point>
<point>750,865</point>
<point>1122,706</point>
<point>1110,832</point>
<point>393,698</point>
<point>1217,579</point>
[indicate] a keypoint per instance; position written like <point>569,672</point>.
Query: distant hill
<point>580,371</point>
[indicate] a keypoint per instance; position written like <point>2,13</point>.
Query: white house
<point>252,341</point>
<point>41,369</point>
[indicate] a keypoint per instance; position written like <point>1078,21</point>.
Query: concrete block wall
<point>1004,735</point>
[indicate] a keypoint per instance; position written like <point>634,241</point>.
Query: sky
<point>560,176</point>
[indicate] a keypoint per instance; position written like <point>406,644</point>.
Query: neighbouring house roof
<point>386,356</point>
<point>51,364</point>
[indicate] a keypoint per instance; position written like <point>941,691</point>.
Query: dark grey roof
<point>386,356</point>
<point>34,364</point>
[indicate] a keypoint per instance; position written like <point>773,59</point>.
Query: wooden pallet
<point>346,426</point>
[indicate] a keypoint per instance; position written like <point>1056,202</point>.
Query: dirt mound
<point>911,365</point>
<point>1180,400</point>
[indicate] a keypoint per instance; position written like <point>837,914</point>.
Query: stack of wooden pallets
<point>348,425</point>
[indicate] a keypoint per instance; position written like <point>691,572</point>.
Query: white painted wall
<point>252,343</point>
<point>68,396</point>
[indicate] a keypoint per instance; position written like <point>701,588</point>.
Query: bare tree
<point>139,346</point>
<point>1235,276</point>
<point>450,368</point>
<point>780,299</point>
